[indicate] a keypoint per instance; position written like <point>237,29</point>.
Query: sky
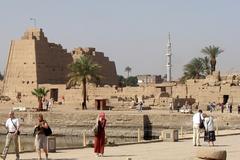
<point>131,32</point>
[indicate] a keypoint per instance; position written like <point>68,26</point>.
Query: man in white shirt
<point>12,125</point>
<point>197,118</point>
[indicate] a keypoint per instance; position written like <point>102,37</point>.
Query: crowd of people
<point>227,107</point>
<point>42,130</point>
<point>47,104</point>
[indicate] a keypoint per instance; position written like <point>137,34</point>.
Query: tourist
<point>230,107</point>
<point>209,135</point>
<point>171,107</point>
<point>214,106</point>
<point>41,138</point>
<point>197,119</point>
<point>140,106</point>
<point>50,104</point>
<point>227,106</point>
<point>178,106</point>
<point>84,106</point>
<point>12,125</point>
<point>197,104</point>
<point>45,104</point>
<point>63,100</point>
<point>99,140</point>
<point>222,107</point>
<point>209,106</point>
<point>238,108</point>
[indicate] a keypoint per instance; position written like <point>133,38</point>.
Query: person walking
<point>99,139</point>
<point>170,107</point>
<point>197,120</point>
<point>209,135</point>
<point>41,138</point>
<point>222,107</point>
<point>140,106</point>
<point>12,125</point>
<point>230,107</point>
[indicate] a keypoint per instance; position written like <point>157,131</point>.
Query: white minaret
<point>169,63</point>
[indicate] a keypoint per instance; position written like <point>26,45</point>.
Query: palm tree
<point>40,93</point>
<point>212,52</point>
<point>82,71</point>
<point>128,70</point>
<point>195,69</point>
<point>206,65</point>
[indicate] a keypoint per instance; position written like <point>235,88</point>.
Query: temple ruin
<point>34,62</point>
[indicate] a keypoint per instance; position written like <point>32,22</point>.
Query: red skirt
<point>99,142</point>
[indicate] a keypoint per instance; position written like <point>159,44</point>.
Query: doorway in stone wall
<point>225,99</point>
<point>54,94</point>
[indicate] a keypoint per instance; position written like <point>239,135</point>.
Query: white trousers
<point>196,134</point>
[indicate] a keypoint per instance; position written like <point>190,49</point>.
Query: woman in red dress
<point>99,140</point>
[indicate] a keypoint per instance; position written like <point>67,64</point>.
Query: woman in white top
<point>209,135</point>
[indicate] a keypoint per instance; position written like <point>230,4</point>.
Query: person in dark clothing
<point>222,107</point>
<point>230,107</point>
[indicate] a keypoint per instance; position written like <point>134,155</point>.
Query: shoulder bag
<point>47,131</point>
<point>95,130</point>
<point>201,125</point>
<point>18,132</point>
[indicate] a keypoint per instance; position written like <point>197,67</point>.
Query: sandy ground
<point>67,108</point>
<point>182,150</point>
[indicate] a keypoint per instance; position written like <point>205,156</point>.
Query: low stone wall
<point>119,124</point>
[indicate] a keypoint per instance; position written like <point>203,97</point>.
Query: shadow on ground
<point>53,159</point>
<point>220,145</point>
<point>119,155</point>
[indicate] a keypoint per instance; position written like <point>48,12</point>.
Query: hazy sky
<point>131,32</point>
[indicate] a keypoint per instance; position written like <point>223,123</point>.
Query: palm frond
<point>82,68</point>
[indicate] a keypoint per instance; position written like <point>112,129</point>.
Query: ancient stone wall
<point>118,124</point>
<point>33,61</point>
<point>21,69</point>
<point>52,63</point>
<point>108,69</point>
<point>210,89</point>
<point>74,95</point>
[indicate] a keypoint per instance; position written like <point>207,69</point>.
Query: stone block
<point>170,135</point>
<point>208,153</point>
<point>51,143</point>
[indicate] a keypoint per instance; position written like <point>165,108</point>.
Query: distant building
<point>149,79</point>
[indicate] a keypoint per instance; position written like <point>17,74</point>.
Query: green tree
<point>128,70</point>
<point>82,71</point>
<point>121,81</point>
<point>206,65</point>
<point>40,93</point>
<point>212,52</point>
<point>1,76</point>
<point>132,81</point>
<point>195,69</point>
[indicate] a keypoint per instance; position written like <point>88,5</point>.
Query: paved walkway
<point>182,150</point>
